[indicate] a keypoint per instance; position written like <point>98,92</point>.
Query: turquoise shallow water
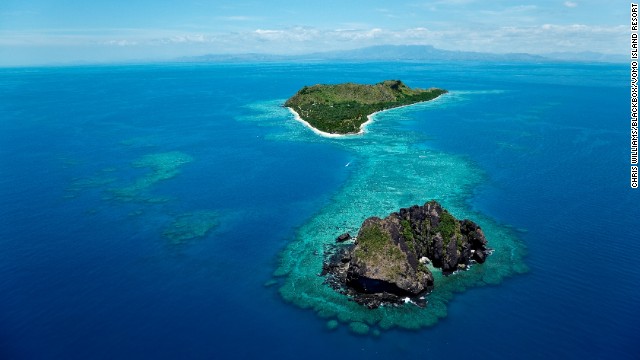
<point>391,169</point>
<point>173,211</point>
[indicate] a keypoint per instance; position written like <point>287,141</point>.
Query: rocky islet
<point>391,259</point>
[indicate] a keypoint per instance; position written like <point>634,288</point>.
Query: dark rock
<point>479,256</point>
<point>342,238</point>
<point>383,265</point>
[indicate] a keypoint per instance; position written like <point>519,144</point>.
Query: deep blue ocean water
<point>103,165</point>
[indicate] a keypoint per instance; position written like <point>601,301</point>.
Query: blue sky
<point>44,31</point>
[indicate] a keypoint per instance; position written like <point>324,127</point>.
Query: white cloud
<point>296,34</point>
<point>531,39</point>
<point>552,38</point>
<point>355,35</point>
<point>191,38</point>
<point>570,4</point>
<point>121,42</point>
<point>261,32</point>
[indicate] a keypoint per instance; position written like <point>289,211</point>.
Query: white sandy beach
<point>326,134</point>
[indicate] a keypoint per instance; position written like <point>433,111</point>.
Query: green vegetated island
<point>343,108</point>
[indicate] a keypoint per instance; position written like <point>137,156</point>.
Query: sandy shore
<point>362,127</point>
<point>321,133</point>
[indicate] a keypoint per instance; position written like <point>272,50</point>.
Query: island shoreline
<point>297,117</point>
<point>363,126</point>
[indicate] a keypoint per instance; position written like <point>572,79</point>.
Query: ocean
<point>179,211</point>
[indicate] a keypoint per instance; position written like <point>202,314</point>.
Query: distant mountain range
<point>408,53</point>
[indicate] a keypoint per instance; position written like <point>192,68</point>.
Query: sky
<point>68,31</point>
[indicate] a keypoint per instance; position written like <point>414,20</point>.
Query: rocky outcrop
<point>388,261</point>
<point>344,237</point>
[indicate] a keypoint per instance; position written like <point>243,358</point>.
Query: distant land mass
<point>343,108</point>
<point>411,53</point>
